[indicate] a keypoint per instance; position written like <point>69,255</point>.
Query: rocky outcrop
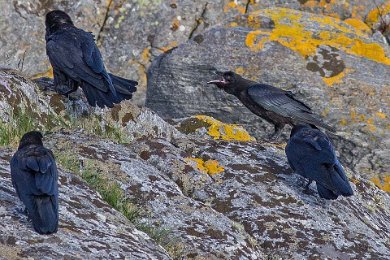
<point>88,228</point>
<point>201,189</point>
<point>338,70</point>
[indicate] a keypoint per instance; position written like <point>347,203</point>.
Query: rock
<point>88,226</point>
<point>341,72</point>
<point>202,190</point>
<point>131,34</point>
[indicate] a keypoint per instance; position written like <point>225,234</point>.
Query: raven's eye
<point>228,77</point>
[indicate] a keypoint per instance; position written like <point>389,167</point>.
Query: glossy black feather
<point>311,154</point>
<point>276,106</point>
<point>77,61</point>
<point>34,177</point>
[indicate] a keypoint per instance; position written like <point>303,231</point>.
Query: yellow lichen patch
<point>239,70</point>
<point>343,122</point>
<point>145,55</point>
<point>227,132</point>
<point>253,21</point>
<point>210,167</point>
<point>375,14</point>
<point>233,24</point>
<point>48,73</point>
<point>359,25</point>
<point>380,115</point>
<point>336,79</point>
<point>292,33</point>
<point>383,183</point>
<point>233,5</point>
<point>370,125</point>
<point>169,46</point>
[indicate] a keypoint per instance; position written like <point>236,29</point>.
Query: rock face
<point>88,228</point>
<point>131,34</point>
<point>338,70</point>
<point>214,190</point>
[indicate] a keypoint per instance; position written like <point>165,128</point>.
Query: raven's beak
<point>221,80</point>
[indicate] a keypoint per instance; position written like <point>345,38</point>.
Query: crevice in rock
<point>104,21</point>
<point>198,21</point>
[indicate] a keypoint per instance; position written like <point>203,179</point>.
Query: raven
<point>76,61</point>
<point>34,177</point>
<point>275,105</point>
<point>311,154</point>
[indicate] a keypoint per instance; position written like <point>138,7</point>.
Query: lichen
<point>382,183</point>
<point>375,14</point>
<point>290,32</point>
<point>210,167</point>
<point>227,132</point>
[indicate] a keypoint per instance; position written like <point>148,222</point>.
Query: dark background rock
<point>344,84</point>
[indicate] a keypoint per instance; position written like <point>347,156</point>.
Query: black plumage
<point>310,153</point>
<point>77,61</point>
<point>275,105</point>
<point>34,177</point>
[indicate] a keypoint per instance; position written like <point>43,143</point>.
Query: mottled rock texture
<point>338,70</point>
<point>217,192</point>
<point>131,33</point>
<point>88,227</point>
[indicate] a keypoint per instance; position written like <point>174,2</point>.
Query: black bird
<point>277,106</point>
<point>34,177</point>
<point>311,154</point>
<point>76,61</point>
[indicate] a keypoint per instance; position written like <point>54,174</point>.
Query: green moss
<point>19,123</point>
<point>114,195</point>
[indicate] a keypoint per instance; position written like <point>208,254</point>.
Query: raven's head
<point>57,18</point>
<point>228,81</point>
<point>29,138</point>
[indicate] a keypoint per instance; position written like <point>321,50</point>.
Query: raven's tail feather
<point>124,90</point>
<point>340,180</point>
<point>44,214</point>
<point>325,193</point>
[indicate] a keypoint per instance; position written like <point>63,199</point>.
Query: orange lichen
<point>336,79</point>
<point>233,5</point>
<point>291,33</point>
<point>169,46</point>
<point>380,115</point>
<point>383,183</point>
<point>375,14</point>
<point>145,55</point>
<point>48,73</point>
<point>239,70</point>
<point>227,132</point>
<point>358,25</point>
<point>210,167</point>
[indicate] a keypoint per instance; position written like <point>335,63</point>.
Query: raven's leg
<point>278,131</point>
<point>307,187</point>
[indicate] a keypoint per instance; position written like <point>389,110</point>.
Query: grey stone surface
<point>218,199</point>
<point>325,62</point>
<point>88,228</point>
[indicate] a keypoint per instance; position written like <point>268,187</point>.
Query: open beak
<point>219,81</point>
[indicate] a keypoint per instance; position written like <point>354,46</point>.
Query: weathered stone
<point>339,71</point>
<point>216,192</point>
<point>88,227</point>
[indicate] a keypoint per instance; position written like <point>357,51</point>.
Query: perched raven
<point>311,154</point>
<point>76,61</point>
<point>275,105</point>
<point>34,177</point>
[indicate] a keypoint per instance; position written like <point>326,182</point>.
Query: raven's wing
<point>283,103</point>
<point>34,172</point>
<point>75,53</point>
